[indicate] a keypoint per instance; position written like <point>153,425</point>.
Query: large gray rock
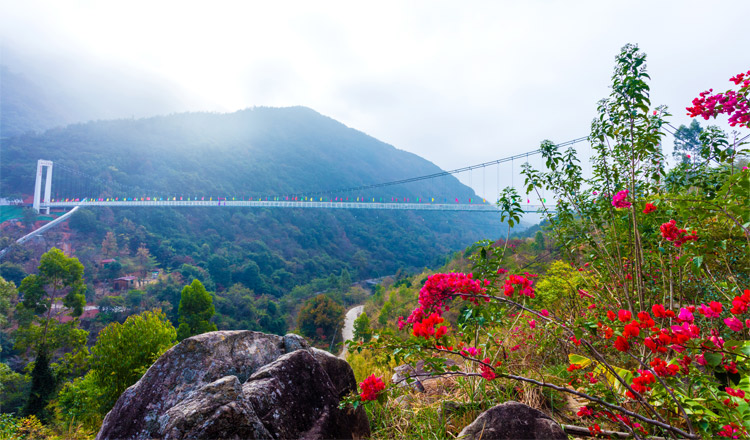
<point>195,390</point>
<point>513,421</point>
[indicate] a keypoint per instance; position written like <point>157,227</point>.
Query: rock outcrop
<point>239,385</point>
<point>513,421</point>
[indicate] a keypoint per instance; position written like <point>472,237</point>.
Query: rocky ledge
<point>239,385</point>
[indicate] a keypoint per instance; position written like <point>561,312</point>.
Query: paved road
<point>348,330</point>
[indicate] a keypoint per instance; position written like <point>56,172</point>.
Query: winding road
<point>348,331</point>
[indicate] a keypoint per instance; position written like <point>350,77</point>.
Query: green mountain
<point>260,152</point>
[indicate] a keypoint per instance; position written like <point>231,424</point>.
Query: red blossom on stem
<point>650,207</point>
<point>370,387</point>
<point>670,232</point>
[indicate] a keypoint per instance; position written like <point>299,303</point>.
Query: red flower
<point>624,315</point>
<point>621,344</point>
<point>371,387</point>
<point>650,207</point>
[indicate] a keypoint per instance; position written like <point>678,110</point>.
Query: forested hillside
<point>257,152</point>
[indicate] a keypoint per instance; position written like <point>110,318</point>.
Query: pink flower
<point>401,323</point>
<point>544,312</point>
<point>685,315</point>
<point>532,323</point>
<point>701,360</point>
<point>471,351</point>
<point>618,201</point>
<point>734,324</point>
<point>712,311</point>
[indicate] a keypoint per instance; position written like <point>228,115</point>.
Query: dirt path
<point>348,330</point>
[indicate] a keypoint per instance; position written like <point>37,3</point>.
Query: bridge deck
<point>292,204</point>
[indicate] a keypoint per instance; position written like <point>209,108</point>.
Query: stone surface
<point>513,421</point>
<point>196,390</point>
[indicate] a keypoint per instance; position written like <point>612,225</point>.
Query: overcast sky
<point>456,82</point>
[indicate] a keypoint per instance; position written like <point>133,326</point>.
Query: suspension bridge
<point>47,197</point>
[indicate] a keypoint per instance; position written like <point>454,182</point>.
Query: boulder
<point>512,421</point>
<point>238,385</point>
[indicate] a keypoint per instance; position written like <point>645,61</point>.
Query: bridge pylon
<point>41,164</point>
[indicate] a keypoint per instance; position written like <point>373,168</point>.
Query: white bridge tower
<point>40,166</point>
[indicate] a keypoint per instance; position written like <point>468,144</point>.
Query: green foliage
<point>560,282</point>
<point>8,296</point>
<point>43,384</point>
<point>123,352</point>
<point>687,142</point>
<point>539,240</point>
<point>12,272</point>
<point>57,274</point>
<point>13,389</point>
<point>345,281</point>
<point>320,318</point>
<point>82,401</point>
<point>195,311</point>
<point>218,267</point>
<point>362,330</point>
<point>84,221</point>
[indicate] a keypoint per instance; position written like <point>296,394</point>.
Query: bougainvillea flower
<point>371,387</point>
<point>734,324</point>
<point>650,207</point>
<point>618,201</point>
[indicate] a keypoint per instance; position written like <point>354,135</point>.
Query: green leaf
<point>576,359</point>
<point>698,261</point>
<point>713,359</point>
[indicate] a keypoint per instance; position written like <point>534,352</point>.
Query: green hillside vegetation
<point>261,254</point>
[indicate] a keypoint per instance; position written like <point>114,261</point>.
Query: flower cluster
<point>370,387</point>
<point>488,372</point>
<point>740,303</point>
<point>618,201</point>
<point>641,383</point>
<point>523,282</point>
<point>734,104</point>
<point>441,287</point>
<point>670,232</point>
<point>650,207</point>
<point>426,328</point>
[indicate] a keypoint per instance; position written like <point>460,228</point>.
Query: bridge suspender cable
<point>444,173</point>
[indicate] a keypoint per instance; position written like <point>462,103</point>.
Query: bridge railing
<point>291,204</point>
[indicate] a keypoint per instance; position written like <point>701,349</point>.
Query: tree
<point>12,272</point>
<point>362,329</point>
<point>218,267</point>
<point>109,245</point>
<point>29,217</point>
<point>83,221</point>
<point>345,281</point>
<point>539,241</point>
<point>687,144</point>
<point>8,295</point>
<point>250,277</point>
<point>123,352</point>
<point>195,311</point>
<point>320,318</point>
<point>145,261</point>
<point>59,277</point>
